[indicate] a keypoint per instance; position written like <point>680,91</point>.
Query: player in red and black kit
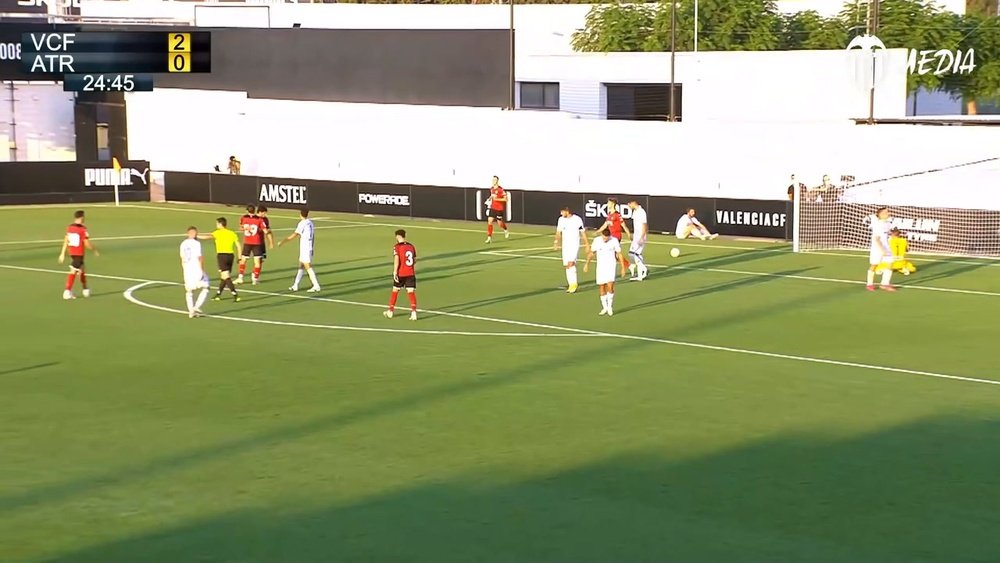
<point>77,242</point>
<point>253,243</point>
<point>497,210</point>
<point>268,235</point>
<point>616,224</point>
<point>404,274</point>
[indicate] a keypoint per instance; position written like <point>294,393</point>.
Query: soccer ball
<point>675,252</point>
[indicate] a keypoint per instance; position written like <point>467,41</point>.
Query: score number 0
<point>179,52</point>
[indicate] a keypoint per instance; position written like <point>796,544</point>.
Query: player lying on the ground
<point>689,226</point>
<point>226,242</point>
<point>898,246</point>
<point>608,252</point>
<point>404,274</point>
<point>569,232</point>
<point>880,257</point>
<point>305,231</point>
<point>193,270</point>
<point>497,204</point>
<point>77,242</point>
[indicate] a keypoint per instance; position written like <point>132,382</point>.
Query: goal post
<point>953,211</point>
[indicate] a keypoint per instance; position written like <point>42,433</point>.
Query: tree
<point>615,28</point>
<point>981,35</point>
<point>809,30</point>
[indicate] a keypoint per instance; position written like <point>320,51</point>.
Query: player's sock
<point>70,279</point>
<point>413,300</point>
<point>604,302</point>
<point>243,269</point>
<point>190,301</point>
<point>611,300</point>
<point>83,279</point>
<point>392,300</point>
<point>231,285</point>
<point>886,276</point>
<point>222,286</point>
<point>503,225</point>
<point>201,299</point>
<point>256,272</point>
<point>871,277</point>
<point>298,277</point>
<point>627,263</point>
<point>489,230</point>
<point>571,278</point>
<point>312,277</point>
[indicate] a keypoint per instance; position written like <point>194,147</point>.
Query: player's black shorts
<point>225,262</point>
<point>76,262</point>
<point>253,250</point>
<point>409,282</point>
<point>498,214</point>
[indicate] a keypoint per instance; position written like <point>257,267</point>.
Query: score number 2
<point>179,52</point>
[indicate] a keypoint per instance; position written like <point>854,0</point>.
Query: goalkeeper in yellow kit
<point>898,246</point>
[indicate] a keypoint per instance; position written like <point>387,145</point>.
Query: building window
<point>643,102</point>
<point>540,95</point>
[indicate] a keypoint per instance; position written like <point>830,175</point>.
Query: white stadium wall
<point>550,151</point>
<point>745,86</point>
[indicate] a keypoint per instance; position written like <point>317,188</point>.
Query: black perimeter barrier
<point>734,217</point>
<point>25,183</point>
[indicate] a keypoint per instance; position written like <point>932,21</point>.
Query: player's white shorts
<point>637,247</point>
<point>685,232</point>
<point>606,273</point>
<point>305,255</point>
<point>570,253</point>
<point>877,257</point>
<point>195,280</point>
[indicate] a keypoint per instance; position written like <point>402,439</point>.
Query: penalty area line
<point>585,332</point>
<point>129,295</point>
<point>513,253</point>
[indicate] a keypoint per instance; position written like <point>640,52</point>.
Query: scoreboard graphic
<point>113,61</point>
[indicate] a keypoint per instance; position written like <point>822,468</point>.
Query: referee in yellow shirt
<point>227,247</point>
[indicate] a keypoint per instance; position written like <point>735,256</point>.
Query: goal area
<point>951,211</point>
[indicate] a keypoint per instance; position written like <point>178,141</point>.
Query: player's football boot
<point>572,288</point>
<point>387,314</point>
<point>506,234</point>
<point>218,297</point>
<point>313,289</point>
<point>887,288</point>
<point>413,315</point>
<point>68,295</point>
<point>236,298</point>
<point>293,288</point>
<point>870,287</point>
<point>489,240</point>
<point>86,293</point>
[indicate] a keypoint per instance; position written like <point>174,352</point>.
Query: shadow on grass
<point>510,374</point>
<point>717,288</point>
<point>28,368</point>
<point>923,491</point>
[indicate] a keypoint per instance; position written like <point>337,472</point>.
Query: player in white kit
<point>608,252</point>
<point>569,232</point>
<point>880,253</point>
<point>305,231</point>
<point>193,267</point>
<point>640,231</point>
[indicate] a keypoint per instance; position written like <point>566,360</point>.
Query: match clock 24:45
<point>99,83</point>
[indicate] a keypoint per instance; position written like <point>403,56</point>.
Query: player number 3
<point>409,258</point>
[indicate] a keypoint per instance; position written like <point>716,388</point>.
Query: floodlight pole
<point>510,98</point>
<point>873,7</point>
<point>696,25</point>
<point>673,56</point>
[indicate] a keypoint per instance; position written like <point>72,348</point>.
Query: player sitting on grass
<point>899,246</point>
<point>689,226</point>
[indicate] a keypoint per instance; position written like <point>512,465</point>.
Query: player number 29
<point>74,239</point>
<point>409,258</point>
<point>249,230</point>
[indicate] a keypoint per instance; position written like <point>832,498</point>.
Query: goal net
<point>954,210</point>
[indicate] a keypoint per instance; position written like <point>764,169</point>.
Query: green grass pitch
<point>744,404</point>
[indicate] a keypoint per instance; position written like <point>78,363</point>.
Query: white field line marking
<point>129,295</point>
<point>711,347</point>
<point>513,254</point>
<point>136,237</point>
<point>784,246</point>
<point>295,296</point>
